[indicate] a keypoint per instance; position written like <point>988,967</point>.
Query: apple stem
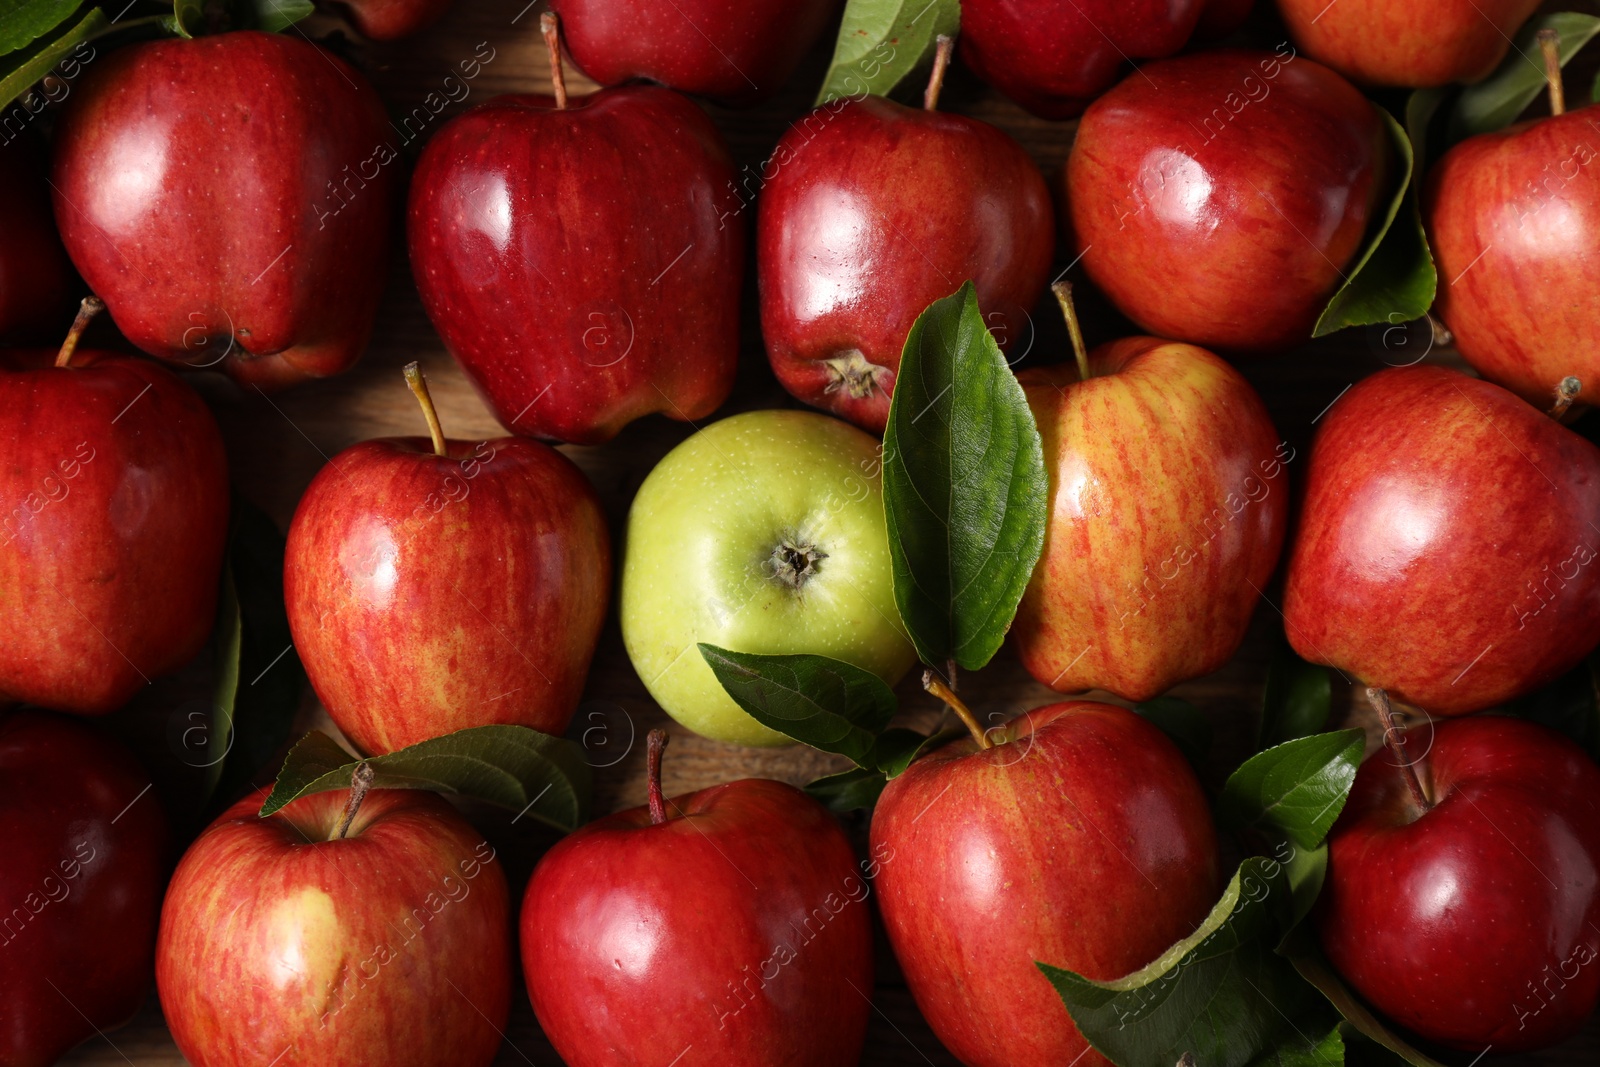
<point>941,64</point>
<point>1550,45</point>
<point>550,26</point>
<point>1080,351</point>
<point>654,744</point>
<point>91,306</point>
<point>419,386</point>
<point>360,781</point>
<point>1397,745</point>
<point>932,684</point>
<point>1566,393</point>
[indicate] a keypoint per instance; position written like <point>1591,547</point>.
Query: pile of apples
<point>583,259</point>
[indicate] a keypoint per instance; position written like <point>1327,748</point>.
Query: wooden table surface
<point>276,445</point>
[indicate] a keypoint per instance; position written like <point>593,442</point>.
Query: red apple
<point>729,926</point>
<point>1169,499</point>
<point>228,197</point>
<point>389,20</point>
<point>85,866</point>
<point>716,48</point>
<point>1414,43</point>
<point>873,211</point>
<point>1514,222</point>
<point>1447,547</point>
<point>35,279</point>
<point>583,260</point>
<point>116,490</point>
<point>1471,913</point>
<point>435,586</point>
<point>1079,838</point>
<point>1216,198</point>
<point>287,941</point>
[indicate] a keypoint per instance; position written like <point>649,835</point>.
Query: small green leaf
<point>1297,788</point>
<point>24,67</point>
<point>523,770</point>
<point>1306,869</point>
<point>1497,101</point>
<point>1421,108</point>
<point>964,486</point>
<point>853,790</point>
<point>898,749</point>
<point>882,41</point>
<point>275,16</point>
<point>24,21</point>
<point>1302,1051</point>
<point>1297,700</point>
<point>1394,279</point>
<point>1594,90</point>
<point>188,17</point>
<point>1184,723</point>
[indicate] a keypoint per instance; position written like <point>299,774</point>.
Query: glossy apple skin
<point>737,51</point>
<point>252,142</point>
<point>872,212</point>
<point>1169,497</point>
<point>1478,922</point>
<point>640,942</point>
<point>85,866</point>
<point>427,594</point>
<point>116,490</point>
<point>1446,548</point>
<point>583,265</point>
<point>391,946</point>
<point>1081,839</point>
<point>1415,44</point>
<point>1273,198</point>
<point>1512,220</point>
<point>35,278</point>
<point>390,20</point>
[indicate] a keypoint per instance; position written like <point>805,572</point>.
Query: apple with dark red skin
<point>1464,902</point>
<point>729,926</point>
<point>875,210</point>
<point>1446,549</point>
<point>1514,223</point>
<point>35,278</point>
<point>1414,44</point>
<point>715,48</point>
<point>434,586</point>
<point>228,197</point>
<point>1169,500</point>
<point>390,20</point>
<point>85,866</point>
<point>1076,835</point>
<point>116,491</point>
<point>316,939</point>
<point>1216,198</point>
<point>583,259</point>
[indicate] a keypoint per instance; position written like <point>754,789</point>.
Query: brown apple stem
<point>91,306</point>
<point>550,26</point>
<point>1397,745</point>
<point>932,684</point>
<point>941,64</point>
<point>419,386</point>
<point>360,782</point>
<point>654,743</point>
<point>1566,393</point>
<point>1550,45</point>
<point>1080,351</point>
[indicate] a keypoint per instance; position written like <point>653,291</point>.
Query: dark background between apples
<point>276,446</point>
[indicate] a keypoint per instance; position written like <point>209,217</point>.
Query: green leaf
<point>1394,279</point>
<point>825,703</point>
<point>1184,723</point>
<point>1497,101</point>
<point>190,18</point>
<point>1297,788</point>
<point>24,21</point>
<point>1297,700</point>
<point>275,16</point>
<point>24,67</point>
<point>1306,869</point>
<point>1594,90</point>
<point>882,41</point>
<point>964,486</point>
<point>1221,994</point>
<point>523,770</point>
<point>1421,108</point>
<point>229,641</point>
<point>1303,1051</point>
<point>853,790</point>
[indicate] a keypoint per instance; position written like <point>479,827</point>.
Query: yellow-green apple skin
<point>1169,495</point>
<point>763,533</point>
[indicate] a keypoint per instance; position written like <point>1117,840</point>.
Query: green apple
<point>762,533</point>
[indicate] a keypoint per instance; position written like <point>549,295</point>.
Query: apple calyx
<point>655,742</point>
<point>1550,45</point>
<point>1392,737</point>
<point>1566,393</point>
<point>795,562</point>
<point>92,305</point>
<point>550,26</point>
<point>1080,351</point>
<point>934,685</point>
<point>943,47</point>
<point>360,781</point>
<point>852,373</point>
<point>419,388</point>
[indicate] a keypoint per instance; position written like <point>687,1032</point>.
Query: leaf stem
<point>360,781</point>
<point>932,684</point>
<point>1566,393</point>
<point>1080,351</point>
<point>91,306</point>
<point>550,26</point>
<point>941,64</point>
<point>419,387</point>
<point>1397,745</point>
<point>654,744</point>
<point>1550,45</point>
